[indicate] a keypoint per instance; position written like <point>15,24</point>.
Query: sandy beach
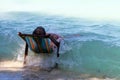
<point>13,70</point>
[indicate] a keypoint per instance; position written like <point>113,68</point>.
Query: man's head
<point>39,31</point>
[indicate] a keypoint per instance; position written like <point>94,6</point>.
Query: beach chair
<point>38,44</point>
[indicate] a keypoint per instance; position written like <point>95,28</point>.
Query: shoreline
<point>15,70</point>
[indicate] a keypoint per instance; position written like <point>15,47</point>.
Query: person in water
<point>41,31</point>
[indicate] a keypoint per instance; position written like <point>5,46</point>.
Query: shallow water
<point>15,70</point>
<point>89,47</point>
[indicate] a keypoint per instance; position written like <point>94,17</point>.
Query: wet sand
<point>11,70</point>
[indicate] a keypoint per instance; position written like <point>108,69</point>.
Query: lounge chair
<point>38,44</point>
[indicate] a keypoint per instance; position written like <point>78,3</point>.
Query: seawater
<point>89,47</point>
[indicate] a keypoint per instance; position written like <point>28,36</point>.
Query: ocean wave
<point>90,47</point>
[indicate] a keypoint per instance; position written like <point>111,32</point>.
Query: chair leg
<point>58,50</point>
<point>56,65</point>
<point>26,53</point>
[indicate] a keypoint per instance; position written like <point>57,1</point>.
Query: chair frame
<point>26,45</point>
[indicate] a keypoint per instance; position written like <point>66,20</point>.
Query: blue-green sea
<point>90,46</point>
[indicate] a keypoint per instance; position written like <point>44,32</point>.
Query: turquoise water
<point>94,47</point>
